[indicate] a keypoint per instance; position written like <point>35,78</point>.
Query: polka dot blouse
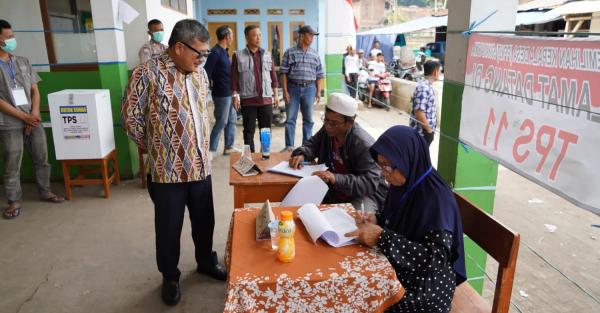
<point>424,268</point>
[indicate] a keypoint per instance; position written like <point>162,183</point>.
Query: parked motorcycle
<point>409,73</point>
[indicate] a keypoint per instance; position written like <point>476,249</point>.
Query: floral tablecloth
<point>320,279</point>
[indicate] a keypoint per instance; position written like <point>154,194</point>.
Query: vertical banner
<point>533,104</point>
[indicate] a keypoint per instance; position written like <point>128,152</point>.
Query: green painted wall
<point>463,169</point>
<point>113,77</point>
<point>334,79</point>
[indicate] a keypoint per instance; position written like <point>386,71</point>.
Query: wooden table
<point>262,187</point>
<point>320,279</point>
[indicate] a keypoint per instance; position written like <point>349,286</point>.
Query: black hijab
<point>425,202</point>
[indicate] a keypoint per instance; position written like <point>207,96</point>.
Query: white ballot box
<point>82,124</point>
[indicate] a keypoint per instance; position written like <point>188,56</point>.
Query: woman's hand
<point>366,234</point>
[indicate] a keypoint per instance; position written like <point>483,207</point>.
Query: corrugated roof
<point>409,27</point>
<point>541,4</point>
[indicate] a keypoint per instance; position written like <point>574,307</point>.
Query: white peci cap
<point>342,103</point>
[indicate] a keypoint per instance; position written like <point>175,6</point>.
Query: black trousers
<point>170,201</point>
<point>263,113</point>
<point>352,84</point>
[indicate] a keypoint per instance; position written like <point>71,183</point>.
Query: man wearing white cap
<point>352,175</point>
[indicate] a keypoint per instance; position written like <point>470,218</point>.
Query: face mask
<point>10,45</point>
<point>158,36</point>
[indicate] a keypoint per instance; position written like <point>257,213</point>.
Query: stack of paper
<point>329,225</point>
<point>309,189</point>
<point>306,170</point>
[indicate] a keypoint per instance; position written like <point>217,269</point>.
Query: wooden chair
<point>499,242</point>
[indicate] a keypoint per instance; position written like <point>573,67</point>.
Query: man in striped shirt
<point>302,82</point>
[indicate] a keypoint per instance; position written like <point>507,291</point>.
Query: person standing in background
<point>254,84</point>
<point>302,82</point>
<point>351,67</point>
<point>154,46</point>
<point>218,69</point>
<point>21,124</point>
<point>424,116</point>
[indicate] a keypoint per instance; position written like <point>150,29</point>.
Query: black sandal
<point>10,214</point>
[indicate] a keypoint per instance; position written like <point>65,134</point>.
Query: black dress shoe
<point>212,268</point>
<point>171,293</point>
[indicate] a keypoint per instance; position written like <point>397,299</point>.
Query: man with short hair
<point>218,69</point>
<point>424,116</point>
<point>351,67</point>
<point>20,124</point>
<point>154,47</point>
<point>302,82</point>
<point>376,69</point>
<point>254,84</point>
<point>353,175</point>
<point>376,50</point>
<point>169,119</point>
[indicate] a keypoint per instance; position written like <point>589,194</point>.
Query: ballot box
<point>82,124</point>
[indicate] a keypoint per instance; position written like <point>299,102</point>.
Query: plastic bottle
<point>286,248</point>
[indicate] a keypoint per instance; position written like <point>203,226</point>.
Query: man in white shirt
<point>376,70</point>
<point>376,50</point>
<point>351,67</point>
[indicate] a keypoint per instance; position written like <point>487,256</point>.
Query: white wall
<point>135,33</point>
<point>26,16</point>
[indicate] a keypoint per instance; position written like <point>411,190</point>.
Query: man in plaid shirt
<point>424,118</point>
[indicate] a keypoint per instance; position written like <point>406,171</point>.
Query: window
<point>70,38</point>
<point>177,5</point>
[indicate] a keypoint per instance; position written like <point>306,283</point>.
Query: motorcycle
<point>383,88</point>
<point>409,73</point>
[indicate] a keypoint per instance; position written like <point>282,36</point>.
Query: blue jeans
<point>303,97</point>
<point>225,116</point>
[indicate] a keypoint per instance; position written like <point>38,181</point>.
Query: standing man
<point>154,47</point>
<point>169,119</point>
<point>351,67</point>
<point>424,116</point>
<point>20,123</point>
<point>218,69</point>
<point>361,56</point>
<point>302,82</point>
<point>254,84</point>
<point>376,50</point>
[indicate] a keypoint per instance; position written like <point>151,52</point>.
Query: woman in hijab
<point>419,229</point>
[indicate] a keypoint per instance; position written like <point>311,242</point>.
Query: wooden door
<point>212,30</point>
<point>276,41</point>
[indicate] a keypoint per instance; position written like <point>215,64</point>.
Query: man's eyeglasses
<point>331,123</point>
<point>199,54</point>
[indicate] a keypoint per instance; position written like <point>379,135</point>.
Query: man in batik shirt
<point>165,112</point>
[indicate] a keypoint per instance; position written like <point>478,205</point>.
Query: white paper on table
<point>126,12</point>
<point>311,189</point>
<point>305,171</point>
<point>329,225</point>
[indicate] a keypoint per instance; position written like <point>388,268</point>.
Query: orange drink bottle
<point>286,248</point>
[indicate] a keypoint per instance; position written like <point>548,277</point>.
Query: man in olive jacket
<point>353,176</point>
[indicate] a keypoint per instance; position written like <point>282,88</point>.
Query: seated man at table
<point>342,145</point>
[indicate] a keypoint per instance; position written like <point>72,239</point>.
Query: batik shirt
<point>165,112</point>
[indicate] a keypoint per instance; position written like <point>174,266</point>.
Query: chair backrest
<point>498,241</point>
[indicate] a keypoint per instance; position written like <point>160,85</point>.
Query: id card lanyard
<point>18,93</point>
